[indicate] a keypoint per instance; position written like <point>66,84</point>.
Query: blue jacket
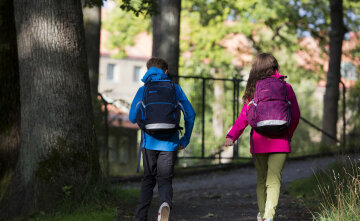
<point>155,142</point>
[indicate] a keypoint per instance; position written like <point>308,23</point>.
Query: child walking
<point>271,108</point>
<point>156,108</point>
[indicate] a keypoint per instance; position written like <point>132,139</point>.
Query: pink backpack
<point>270,110</point>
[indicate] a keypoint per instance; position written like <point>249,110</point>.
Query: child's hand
<point>229,142</point>
<point>181,147</point>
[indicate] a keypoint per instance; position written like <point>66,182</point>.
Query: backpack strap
<point>284,82</point>
<point>173,86</point>
<point>144,92</point>
<point>139,155</point>
<point>252,102</point>
<point>252,143</point>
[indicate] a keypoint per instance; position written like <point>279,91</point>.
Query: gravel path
<point>230,195</point>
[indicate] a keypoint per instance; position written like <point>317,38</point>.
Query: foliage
<point>304,140</point>
<point>354,106</point>
<point>146,7</point>
<point>204,41</point>
<point>123,27</point>
<point>93,3</point>
<point>353,101</point>
<point>352,15</point>
<point>356,52</point>
<point>284,18</point>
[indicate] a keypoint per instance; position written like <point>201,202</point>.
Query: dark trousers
<point>158,167</point>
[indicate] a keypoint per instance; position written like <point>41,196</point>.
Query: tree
<point>57,135</point>
<point>10,95</point>
<point>92,23</point>
<point>208,29</point>
<point>123,27</point>
<point>331,98</point>
<point>166,32</point>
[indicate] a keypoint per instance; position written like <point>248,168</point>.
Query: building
<point>119,80</point>
<point>122,143</point>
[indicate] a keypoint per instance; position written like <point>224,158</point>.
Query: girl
<point>269,152</point>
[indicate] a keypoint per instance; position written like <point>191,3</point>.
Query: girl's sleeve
<point>240,125</point>
<point>295,110</point>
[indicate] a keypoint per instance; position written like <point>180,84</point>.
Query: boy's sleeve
<point>240,125</point>
<point>135,105</point>
<point>189,115</point>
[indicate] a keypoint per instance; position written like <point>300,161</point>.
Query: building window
<point>110,72</point>
<point>137,73</point>
<point>348,71</point>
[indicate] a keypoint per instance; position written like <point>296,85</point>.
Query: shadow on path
<point>231,195</point>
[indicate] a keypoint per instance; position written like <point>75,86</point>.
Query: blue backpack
<point>159,111</point>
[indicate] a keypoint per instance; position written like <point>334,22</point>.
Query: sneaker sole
<point>165,211</point>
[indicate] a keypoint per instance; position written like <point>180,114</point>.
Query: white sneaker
<point>164,212</point>
<point>267,219</point>
<point>259,217</point>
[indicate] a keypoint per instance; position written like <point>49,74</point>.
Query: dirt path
<point>231,195</point>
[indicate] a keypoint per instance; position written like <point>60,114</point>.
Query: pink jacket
<point>263,144</point>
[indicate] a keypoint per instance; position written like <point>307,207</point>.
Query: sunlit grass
<point>332,194</point>
<point>341,199</point>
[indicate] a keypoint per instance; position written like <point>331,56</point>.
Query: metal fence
<point>235,100</point>
<point>236,88</point>
<point>203,146</point>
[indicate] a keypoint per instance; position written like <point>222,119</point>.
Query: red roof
<point>118,118</point>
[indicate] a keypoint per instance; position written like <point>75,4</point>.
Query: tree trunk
<point>10,95</point>
<point>331,98</point>
<point>218,105</point>
<point>92,23</point>
<point>57,134</point>
<point>166,31</point>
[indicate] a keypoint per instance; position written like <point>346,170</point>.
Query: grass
<point>4,182</point>
<point>82,214</point>
<point>331,194</point>
<point>102,203</point>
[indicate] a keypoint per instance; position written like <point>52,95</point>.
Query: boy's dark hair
<point>158,63</point>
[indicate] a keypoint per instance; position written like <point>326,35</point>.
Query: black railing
<point>236,91</point>
<point>236,102</point>
<point>235,109</point>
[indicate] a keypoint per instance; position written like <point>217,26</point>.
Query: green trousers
<point>269,168</point>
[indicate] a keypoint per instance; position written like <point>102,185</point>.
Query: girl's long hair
<point>264,65</point>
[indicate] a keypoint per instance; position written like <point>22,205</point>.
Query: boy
<point>159,150</point>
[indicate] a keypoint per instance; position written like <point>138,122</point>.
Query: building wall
<point>122,84</point>
<point>123,151</point>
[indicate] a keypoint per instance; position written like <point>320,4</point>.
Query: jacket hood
<point>279,76</point>
<point>154,74</point>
